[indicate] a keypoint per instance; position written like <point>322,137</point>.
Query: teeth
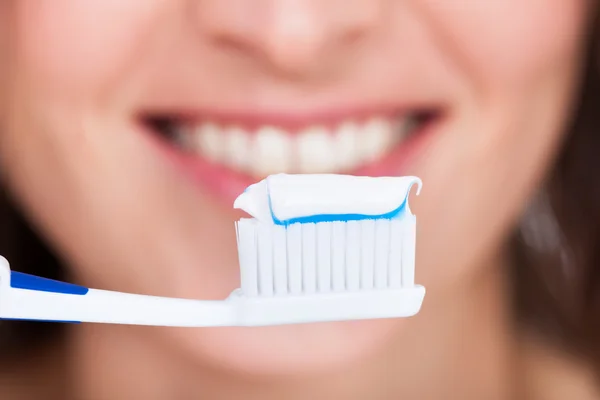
<point>375,140</point>
<point>346,139</point>
<point>272,152</point>
<point>237,143</point>
<point>184,138</point>
<point>210,141</point>
<point>315,149</point>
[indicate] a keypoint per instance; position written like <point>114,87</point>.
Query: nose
<point>292,37</point>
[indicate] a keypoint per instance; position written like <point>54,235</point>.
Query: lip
<point>227,184</point>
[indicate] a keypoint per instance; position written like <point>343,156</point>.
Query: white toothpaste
<point>284,199</point>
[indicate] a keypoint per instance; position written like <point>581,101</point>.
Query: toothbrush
<point>316,248</point>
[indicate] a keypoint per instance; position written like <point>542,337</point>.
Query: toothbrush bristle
<point>305,258</point>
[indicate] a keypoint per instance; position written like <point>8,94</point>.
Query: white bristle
<point>280,261</point>
<point>395,258</point>
<point>326,257</point>
<point>382,248</point>
<point>338,256</point>
<point>409,237</point>
<point>265,259</point>
<point>294,249</point>
<point>353,255</point>
<point>246,234</point>
<point>309,257</point>
<point>367,254</point>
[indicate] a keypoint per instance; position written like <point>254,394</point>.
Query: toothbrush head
<point>328,268</point>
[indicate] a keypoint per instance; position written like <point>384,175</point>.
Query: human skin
<point>500,75</point>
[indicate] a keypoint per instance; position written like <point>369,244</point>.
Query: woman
<point>127,128</point>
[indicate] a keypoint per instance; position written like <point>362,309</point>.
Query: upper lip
<point>285,119</point>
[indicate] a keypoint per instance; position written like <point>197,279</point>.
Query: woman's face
<point>127,129</point>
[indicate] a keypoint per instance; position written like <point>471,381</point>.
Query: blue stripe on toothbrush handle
<point>40,320</point>
<point>20,280</point>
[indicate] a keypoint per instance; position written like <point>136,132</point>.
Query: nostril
<point>292,38</point>
<point>353,36</point>
<point>232,24</point>
<point>229,42</point>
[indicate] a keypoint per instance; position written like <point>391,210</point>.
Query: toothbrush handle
<point>28,297</point>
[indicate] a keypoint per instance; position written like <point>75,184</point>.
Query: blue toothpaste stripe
<point>333,217</point>
<point>336,217</point>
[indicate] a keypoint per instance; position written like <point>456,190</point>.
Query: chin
<point>303,349</point>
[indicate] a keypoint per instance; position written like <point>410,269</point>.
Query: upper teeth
<point>315,149</point>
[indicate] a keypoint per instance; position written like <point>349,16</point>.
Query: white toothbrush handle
<point>28,297</point>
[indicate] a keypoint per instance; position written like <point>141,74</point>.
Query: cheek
<point>79,46</point>
<point>518,64</point>
<point>65,59</point>
<point>508,41</point>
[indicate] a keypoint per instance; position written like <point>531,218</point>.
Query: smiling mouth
<point>257,146</point>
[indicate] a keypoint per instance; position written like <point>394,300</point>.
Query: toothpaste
<point>284,199</point>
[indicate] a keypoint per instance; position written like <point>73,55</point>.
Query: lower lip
<point>227,184</point>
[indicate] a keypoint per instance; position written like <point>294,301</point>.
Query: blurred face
<point>128,128</point>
